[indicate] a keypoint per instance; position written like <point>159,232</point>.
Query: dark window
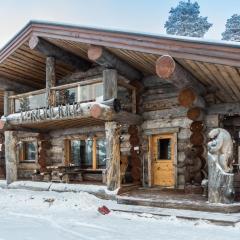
<point>81,153</point>
<point>28,151</point>
<point>101,153</point>
<point>164,149</point>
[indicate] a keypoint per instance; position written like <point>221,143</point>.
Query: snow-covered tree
<point>184,20</point>
<point>232,31</point>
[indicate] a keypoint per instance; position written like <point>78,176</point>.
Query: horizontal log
<point>100,111</point>
<point>49,49</point>
<point>196,114</point>
<point>188,98</point>
<point>79,76</point>
<point>171,71</point>
<point>127,118</point>
<point>78,110</point>
<point>107,59</point>
<point>224,108</point>
<point>103,111</point>
<point>10,85</point>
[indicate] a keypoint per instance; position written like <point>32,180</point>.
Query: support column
<point>113,155</point>
<point>50,81</point>
<point>11,156</point>
<point>110,77</point>
<point>8,104</point>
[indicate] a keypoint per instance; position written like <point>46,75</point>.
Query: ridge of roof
<point>124,32</point>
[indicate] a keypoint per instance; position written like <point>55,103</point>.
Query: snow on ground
<point>35,215</point>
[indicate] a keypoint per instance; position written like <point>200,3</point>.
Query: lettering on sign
<point>52,112</point>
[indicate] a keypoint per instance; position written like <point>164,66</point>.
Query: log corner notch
<point>48,49</point>
<point>107,59</point>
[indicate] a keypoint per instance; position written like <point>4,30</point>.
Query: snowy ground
<point>36,215</point>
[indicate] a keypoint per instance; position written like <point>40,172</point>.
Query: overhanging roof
<point>214,63</point>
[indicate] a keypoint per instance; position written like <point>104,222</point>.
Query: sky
<point>146,16</point>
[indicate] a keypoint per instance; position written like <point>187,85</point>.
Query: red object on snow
<point>103,210</point>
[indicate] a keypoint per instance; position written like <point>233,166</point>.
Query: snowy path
<point>66,216</point>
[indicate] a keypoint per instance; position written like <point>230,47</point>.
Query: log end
<point>165,66</point>
<point>195,114</point>
<point>197,139</point>
<point>95,52</point>
<point>197,126</point>
<point>186,97</point>
<point>33,42</point>
<point>96,111</point>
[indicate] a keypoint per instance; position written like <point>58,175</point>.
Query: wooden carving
<point>220,176</point>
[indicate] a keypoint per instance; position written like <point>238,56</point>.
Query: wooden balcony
<point>72,105</point>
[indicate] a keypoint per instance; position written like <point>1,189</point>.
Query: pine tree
<point>184,20</point>
<point>232,31</point>
<point>24,104</point>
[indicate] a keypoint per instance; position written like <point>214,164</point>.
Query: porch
<point>173,199</point>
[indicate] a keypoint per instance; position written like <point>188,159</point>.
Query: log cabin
<point>86,105</point>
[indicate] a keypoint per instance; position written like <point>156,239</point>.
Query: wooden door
<point>163,159</point>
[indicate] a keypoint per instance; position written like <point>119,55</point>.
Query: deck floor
<point>170,198</point>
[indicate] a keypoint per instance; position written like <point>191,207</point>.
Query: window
<point>28,151</point>
<point>101,153</point>
<point>164,149</point>
<point>81,153</point>
<point>89,153</point>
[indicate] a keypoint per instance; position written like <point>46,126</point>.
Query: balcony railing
<point>79,92</point>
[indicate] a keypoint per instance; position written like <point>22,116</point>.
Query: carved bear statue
<point>221,145</point>
<point>193,165</point>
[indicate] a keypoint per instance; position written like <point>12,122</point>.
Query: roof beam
<point>107,59</point>
<point>51,50</point>
<point>10,85</point>
<point>174,73</point>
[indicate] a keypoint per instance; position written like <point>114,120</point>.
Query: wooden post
<point>94,153</point>
<point>110,78</point>
<point>8,103</point>
<point>113,155</point>
<point>11,156</point>
<point>50,81</point>
<point>150,157</point>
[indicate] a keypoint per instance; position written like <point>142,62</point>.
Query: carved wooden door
<point>163,158</point>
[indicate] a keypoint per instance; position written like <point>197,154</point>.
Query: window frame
<point>67,151</point>
<point>22,151</point>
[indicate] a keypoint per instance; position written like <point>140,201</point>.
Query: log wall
<point>162,114</point>
<point>51,146</point>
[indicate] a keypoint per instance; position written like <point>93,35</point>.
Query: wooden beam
<point>224,108</point>
<point>50,81</point>
<point>113,155</point>
<point>107,59</point>
<point>49,49</point>
<point>110,85</point>
<point>8,103</point>
<point>11,85</point>
<point>11,156</point>
<point>171,71</point>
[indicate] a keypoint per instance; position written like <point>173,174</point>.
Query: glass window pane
<point>81,153</point>
<point>30,151</point>
<point>101,153</point>
<point>31,102</point>
<point>164,149</point>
